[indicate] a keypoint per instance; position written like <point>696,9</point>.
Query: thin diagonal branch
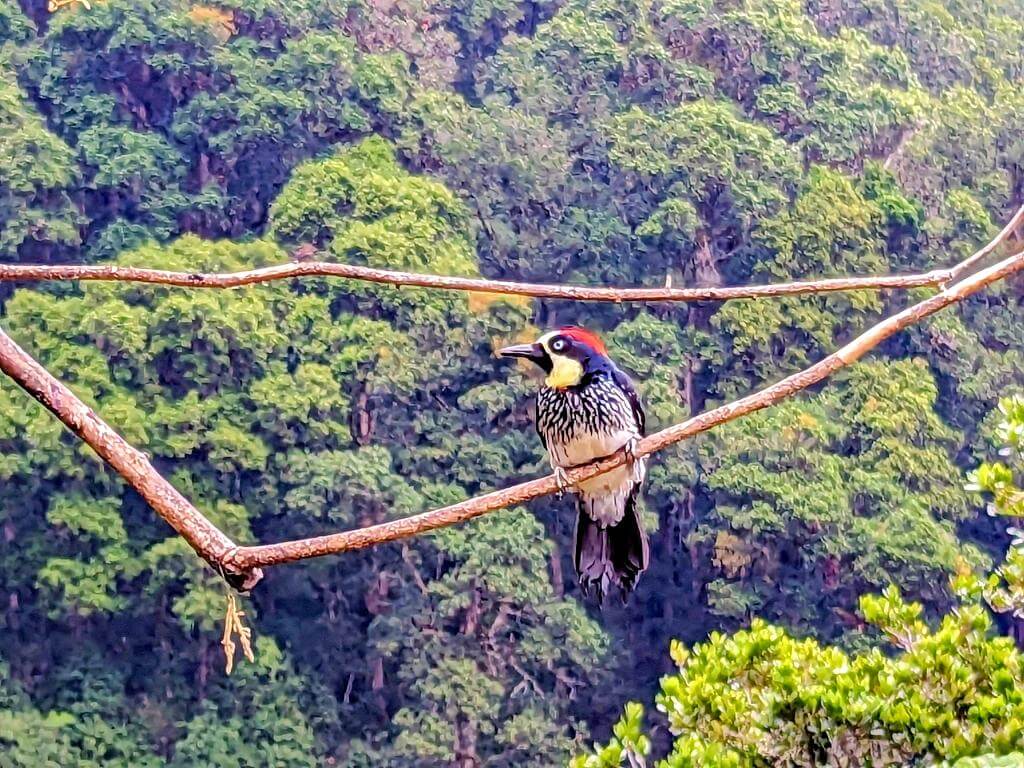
<point>209,542</point>
<point>113,273</point>
<point>290,551</point>
<point>978,256</point>
<point>241,566</point>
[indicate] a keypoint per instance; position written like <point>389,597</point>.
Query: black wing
<point>626,385</point>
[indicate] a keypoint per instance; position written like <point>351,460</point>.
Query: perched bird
<point>586,410</point>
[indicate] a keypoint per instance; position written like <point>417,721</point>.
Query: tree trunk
<point>465,744</point>
<point>362,420</point>
<point>705,270</point>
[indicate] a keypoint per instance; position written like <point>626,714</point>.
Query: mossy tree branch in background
<point>242,565</point>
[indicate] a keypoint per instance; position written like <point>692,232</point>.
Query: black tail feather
<point>613,555</point>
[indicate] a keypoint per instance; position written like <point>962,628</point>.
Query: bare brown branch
<point>981,254</point>
<point>115,273</point>
<point>289,551</point>
<point>108,272</point>
<point>205,538</point>
<point>242,565</point>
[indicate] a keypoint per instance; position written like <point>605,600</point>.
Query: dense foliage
<point>760,697</point>
<point>702,141</point>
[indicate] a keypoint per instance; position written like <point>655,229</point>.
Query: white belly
<point>615,481</point>
<point>604,495</point>
<point>584,448</point>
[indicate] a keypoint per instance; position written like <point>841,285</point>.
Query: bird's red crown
<point>584,336</point>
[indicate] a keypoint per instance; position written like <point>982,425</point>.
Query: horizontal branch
<point>113,273</point>
<point>290,551</point>
<point>241,566</point>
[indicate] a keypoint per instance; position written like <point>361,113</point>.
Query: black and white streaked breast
<point>584,423</point>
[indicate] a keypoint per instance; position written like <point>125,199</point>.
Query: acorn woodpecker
<point>588,409</point>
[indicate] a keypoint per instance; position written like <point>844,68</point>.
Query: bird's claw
<point>630,449</point>
<point>635,463</point>
<point>562,480</point>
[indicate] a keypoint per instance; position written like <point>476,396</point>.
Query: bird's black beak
<point>533,352</point>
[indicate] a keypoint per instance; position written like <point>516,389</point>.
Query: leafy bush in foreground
<point>761,697</point>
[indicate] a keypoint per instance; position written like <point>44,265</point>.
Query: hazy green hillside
<point>583,141</point>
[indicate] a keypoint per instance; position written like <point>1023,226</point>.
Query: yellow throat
<point>565,372</point>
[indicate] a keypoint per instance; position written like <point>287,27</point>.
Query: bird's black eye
<point>558,345</point>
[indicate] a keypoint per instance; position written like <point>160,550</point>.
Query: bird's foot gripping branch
<point>242,566</point>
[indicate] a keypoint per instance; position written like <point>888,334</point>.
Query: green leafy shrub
<point>761,697</point>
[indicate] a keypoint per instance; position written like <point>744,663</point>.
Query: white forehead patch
<point>545,340</point>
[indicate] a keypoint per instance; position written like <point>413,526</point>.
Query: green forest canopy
<point>597,142</point>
